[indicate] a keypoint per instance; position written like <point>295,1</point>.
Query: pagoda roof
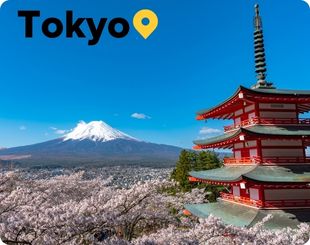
<point>279,130</point>
<point>293,174</point>
<point>274,91</point>
<point>229,173</point>
<point>224,110</point>
<point>243,216</point>
<point>282,130</point>
<point>272,174</point>
<point>208,113</point>
<point>218,139</point>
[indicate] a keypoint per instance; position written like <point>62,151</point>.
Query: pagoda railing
<point>266,204</point>
<point>242,200</point>
<point>267,121</point>
<point>267,160</point>
<point>243,160</point>
<point>287,203</point>
<point>271,160</point>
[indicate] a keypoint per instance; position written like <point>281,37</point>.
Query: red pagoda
<point>269,171</point>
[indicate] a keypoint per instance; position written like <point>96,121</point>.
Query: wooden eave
<point>301,98</point>
<point>254,132</point>
<point>226,109</point>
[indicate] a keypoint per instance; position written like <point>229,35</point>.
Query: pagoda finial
<point>260,60</point>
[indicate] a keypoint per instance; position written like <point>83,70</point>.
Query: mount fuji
<point>94,144</point>
<point>97,131</point>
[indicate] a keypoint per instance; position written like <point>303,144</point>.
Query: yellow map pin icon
<point>145,30</point>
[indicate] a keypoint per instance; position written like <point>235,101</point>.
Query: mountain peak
<point>95,131</point>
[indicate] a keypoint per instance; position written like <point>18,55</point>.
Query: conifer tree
<point>207,160</point>
<point>193,161</point>
<point>182,169</point>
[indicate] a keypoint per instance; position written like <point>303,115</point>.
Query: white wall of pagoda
<point>278,114</point>
<point>246,149</point>
<point>251,192</point>
<point>270,148</point>
<point>254,194</point>
<point>282,152</point>
<point>265,110</point>
<point>282,148</point>
<point>286,194</point>
<point>277,111</point>
<point>236,191</point>
<point>245,113</point>
<point>276,106</point>
<point>275,142</point>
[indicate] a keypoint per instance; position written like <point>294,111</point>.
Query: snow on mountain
<point>95,131</point>
<point>93,144</point>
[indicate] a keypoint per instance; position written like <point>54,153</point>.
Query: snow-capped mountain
<point>95,131</point>
<point>94,143</point>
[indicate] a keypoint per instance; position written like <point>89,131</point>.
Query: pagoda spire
<point>260,60</point>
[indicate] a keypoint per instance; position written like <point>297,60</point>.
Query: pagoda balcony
<point>241,161</point>
<point>266,204</point>
<point>269,160</point>
<point>241,200</point>
<point>267,121</point>
<point>287,203</point>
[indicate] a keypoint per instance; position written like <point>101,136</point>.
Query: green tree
<point>207,160</point>
<point>196,161</point>
<point>182,169</point>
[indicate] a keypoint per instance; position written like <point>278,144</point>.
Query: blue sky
<point>200,52</point>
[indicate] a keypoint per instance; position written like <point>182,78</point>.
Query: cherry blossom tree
<point>70,209</point>
<point>214,231</point>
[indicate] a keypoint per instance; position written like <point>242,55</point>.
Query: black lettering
<point>58,30</point>
<point>74,27</point>
<point>28,20</point>
<point>96,31</point>
<point>124,30</point>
